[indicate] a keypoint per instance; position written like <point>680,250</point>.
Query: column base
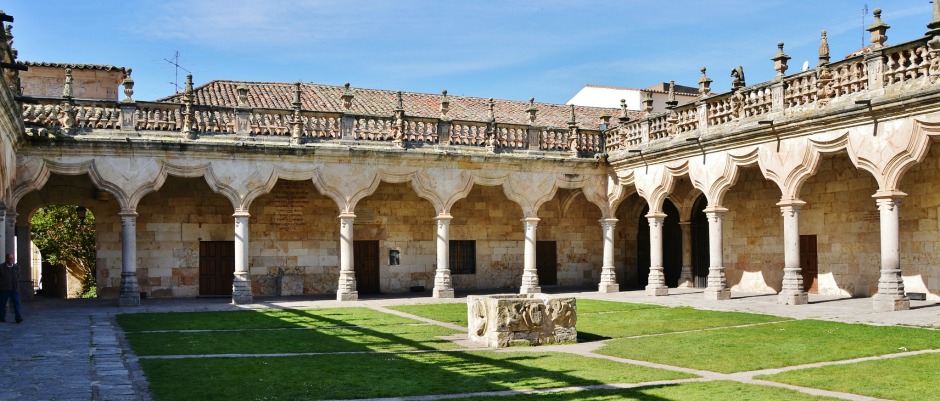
<point>891,303</point>
<point>445,293</point>
<point>608,288</point>
<point>347,296</point>
<point>793,298</point>
<point>657,291</point>
<point>530,290</point>
<point>719,295</point>
<point>130,290</point>
<point>241,290</point>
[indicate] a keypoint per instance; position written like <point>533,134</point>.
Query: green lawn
<point>618,323</point>
<point>914,377</point>
<point>772,345</point>
<point>698,391</point>
<point>455,313</point>
<point>257,319</point>
<point>377,338</point>
<point>599,320</point>
<point>381,375</point>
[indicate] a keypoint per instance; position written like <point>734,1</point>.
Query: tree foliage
<point>65,240</point>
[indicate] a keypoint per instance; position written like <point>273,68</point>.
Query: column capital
<point>888,194</point>
<point>531,220</point>
<point>791,202</point>
<point>347,215</point>
<point>241,213</point>
<point>887,203</point>
<point>127,213</point>
<point>715,210</point>
<point>652,215</point>
<point>609,220</point>
<point>443,217</point>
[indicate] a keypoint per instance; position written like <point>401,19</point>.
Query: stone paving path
<point>72,350</point>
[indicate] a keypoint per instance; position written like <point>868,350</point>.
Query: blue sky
<point>548,49</point>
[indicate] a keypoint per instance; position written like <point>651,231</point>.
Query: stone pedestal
<point>526,319</point>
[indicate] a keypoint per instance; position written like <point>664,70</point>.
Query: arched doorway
<point>64,236</point>
<point>672,247</point>
<point>700,243</point>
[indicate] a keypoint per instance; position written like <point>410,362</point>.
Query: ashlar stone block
<point>499,321</point>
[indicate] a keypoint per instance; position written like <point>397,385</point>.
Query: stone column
<point>608,282</point>
<point>346,291</point>
<point>656,285</point>
<point>130,290</point>
<point>791,292</point>
<point>24,259</point>
<point>3,231</point>
<point>890,296</point>
<point>442,284</point>
<point>686,280</point>
<point>530,276</point>
<point>241,283</point>
<point>717,284</point>
<point>10,235</point>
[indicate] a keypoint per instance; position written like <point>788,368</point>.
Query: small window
<point>463,257</point>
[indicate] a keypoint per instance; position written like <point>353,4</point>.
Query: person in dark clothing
<point>9,281</point>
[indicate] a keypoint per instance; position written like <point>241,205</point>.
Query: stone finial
<point>704,84</point>
<point>671,101</point>
<point>780,60</point>
<point>532,110</point>
<point>242,95</point>
<point>297,91</point>
<point>624,117</point>
<point>400,103</point>
<point>934,25</point>
<point>878,30</point>
<point>648,102</point>
<point>737,81</point>
<point>574,122</point>
<point>188,86</point>
<point>188,100</point>
<point>823,49</point>
<point>67,89</point>
<point>445,104</point>
<point>347,96</point>
<point>492,115</point>
<point>128,87</point>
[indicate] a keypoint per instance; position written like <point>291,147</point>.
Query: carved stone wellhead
<point>521,319</point>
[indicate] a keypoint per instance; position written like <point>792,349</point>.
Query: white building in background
<point>610,96</point>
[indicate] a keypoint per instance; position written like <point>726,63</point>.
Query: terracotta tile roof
<point>327,98</point>
<point>73,66</point>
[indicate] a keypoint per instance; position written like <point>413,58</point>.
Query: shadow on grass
<point>370,374</point>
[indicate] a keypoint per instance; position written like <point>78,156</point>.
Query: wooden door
<point>366,265</point>
<point>809,264</point>
<point>216,267</point>
<point>546,262</point>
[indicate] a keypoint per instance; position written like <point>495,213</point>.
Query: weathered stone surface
<point>521,319</point>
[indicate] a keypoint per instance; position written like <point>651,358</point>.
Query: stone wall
<point>920,227</point>
<point>42,81</point>
<point>753,234</point>
<point>170,225</point>
<point>573,222</point>
<point>294,231</point>
<point>400,220</point>
<point>493,221</point>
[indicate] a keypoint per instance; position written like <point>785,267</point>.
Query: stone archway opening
<point>63,251</point>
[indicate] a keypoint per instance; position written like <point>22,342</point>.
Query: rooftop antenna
<point>177,67</point>
<point>864,11</point>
